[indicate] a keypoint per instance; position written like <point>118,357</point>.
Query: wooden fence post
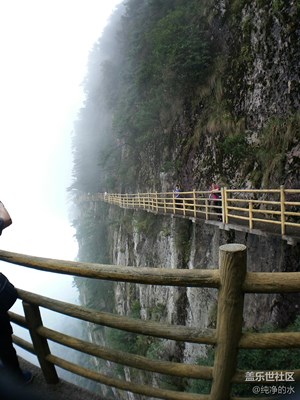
<point>233,270</point>
<point>40,344</point>
<point>250,214</point>
<point>225,205</point>
<point>206,209</point>
<point>194,203</point>
<point>139,201</point>
<point>282,209</point>
<point>174,204</point>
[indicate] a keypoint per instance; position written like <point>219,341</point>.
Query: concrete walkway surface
<point>38,389</point>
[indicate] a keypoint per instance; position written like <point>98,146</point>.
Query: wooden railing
<point>261,208</point>
<point>231,279</point>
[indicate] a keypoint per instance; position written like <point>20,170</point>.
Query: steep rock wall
<point>224,133</point>
<point>177,243</point>
<point>237,130</point>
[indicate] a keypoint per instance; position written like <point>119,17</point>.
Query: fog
<point>44,53</point>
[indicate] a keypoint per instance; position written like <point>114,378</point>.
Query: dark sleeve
<point>1,225</point>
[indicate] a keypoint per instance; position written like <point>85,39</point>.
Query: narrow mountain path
<point>38,389</point>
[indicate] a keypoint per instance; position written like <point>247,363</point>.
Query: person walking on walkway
<point>8,296</point>
<point>177,196</point>
<point>215,196</point>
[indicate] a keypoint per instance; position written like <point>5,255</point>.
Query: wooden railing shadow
<point>232,281</point>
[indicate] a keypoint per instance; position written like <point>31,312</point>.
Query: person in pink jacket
<point>215,196</point>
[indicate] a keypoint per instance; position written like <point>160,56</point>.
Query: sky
<point>44,48</point>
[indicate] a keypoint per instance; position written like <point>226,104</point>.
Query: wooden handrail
<point>145,390</point>
<point>232,281</point>
<point>272,282</point>
<point>237,205</point>
<point>271,340</point>
<point>131,360</point>
<point>153,276</point>
<point>151,328</point>
<point>255,282</point>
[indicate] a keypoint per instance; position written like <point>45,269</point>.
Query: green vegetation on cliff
<point>187,89</point>
<point>255,360</point>
<point>184,92</point>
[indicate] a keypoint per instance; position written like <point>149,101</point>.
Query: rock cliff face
<point>195,307</point>
<point>168,242</point>
<point>242,138</point>
<point>240,128</point>
<point>270,85</point>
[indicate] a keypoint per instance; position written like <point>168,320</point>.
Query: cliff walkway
<point>39,389</point>
<point>230,278</point>
<point>259,211</point>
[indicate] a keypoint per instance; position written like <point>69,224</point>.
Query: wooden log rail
<point>231,279</point>
<point>255,208</point>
